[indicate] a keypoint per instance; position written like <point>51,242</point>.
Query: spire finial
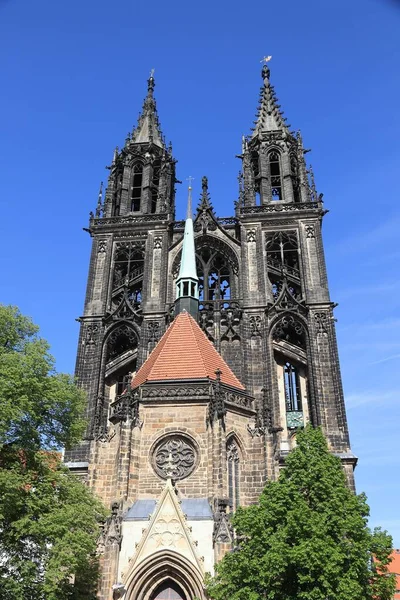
<point>189,212</point>
<point>151,83</point>
<point>265,72</point>
<point>187,284</point>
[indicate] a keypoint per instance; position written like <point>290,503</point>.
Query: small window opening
<point>292,388</point>
<point>275,173</point>
<point>136,188</point>
<point>155,185</point>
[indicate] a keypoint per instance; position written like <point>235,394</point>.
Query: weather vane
<point>266,59</point>
<point>152,73</point>
<point>190,179</point>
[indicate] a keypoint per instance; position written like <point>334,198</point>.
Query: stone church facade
<point>189,416</point>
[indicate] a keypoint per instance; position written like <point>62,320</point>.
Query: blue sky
<point>73,78</point>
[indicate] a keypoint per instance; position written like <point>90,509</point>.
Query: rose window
<point>174,457</point>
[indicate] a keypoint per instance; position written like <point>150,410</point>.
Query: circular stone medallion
<point>175,457</point>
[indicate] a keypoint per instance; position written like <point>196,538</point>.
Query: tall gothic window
<point>275,173</point>
<point>233,460</point>
<point>128,274</point>
<point>214,276</point>
<point>292,388</point>
<point>136,187</point>
<point>154,185</point>
<point>283,261</point>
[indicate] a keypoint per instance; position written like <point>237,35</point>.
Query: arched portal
<point>162,573</point>
<point>168,590</point>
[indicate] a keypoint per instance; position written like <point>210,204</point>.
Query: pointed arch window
<point>283,257</point>
<point>233,460</point>
<point>214,276</point>
<point>136,187</point>
<point>155,184</point>
<point>128,274</point>
<point>275,174</point>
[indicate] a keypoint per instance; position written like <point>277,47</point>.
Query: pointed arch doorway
<point>168,590</point>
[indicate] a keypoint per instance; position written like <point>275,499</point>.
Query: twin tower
<point>203,349</point>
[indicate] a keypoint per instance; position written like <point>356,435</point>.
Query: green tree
<point>49,520</point>
<point>307,538</point>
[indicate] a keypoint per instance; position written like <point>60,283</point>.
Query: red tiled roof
<point>184,352</point>
<point>394,567</point>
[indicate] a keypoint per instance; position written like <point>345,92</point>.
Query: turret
<point>273,156</point>
<point>187,284</point>
<point>142,174</point>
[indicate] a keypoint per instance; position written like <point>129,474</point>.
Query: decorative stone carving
<point>230,320</point>
<point>102,246</point>
<point>127,220</point>
<point>282,207</point>
<point>175,457</point>
<point>149,392</point>
<point>217,408</point>
<point>121,339</point>
<point>223,531</point>
<point>91,334</point>
<point>153,328</point>
<point>255,325</point>
<point>111,534</point>
<point>158,242</point>
<point>291,330</point>
<point>321,322</point>
<point>310,231</point>
<point>251,235</point>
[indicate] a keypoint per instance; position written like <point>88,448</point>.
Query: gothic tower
<point>204,346</point>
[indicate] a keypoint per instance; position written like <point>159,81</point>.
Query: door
<point>168,590</point>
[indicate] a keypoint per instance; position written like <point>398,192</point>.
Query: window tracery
<point>214,275</point>
<point>290,329</point>
<point>121,340</point>
<point>128,273</point>
<point>233,462</point>
<point>174,456</point>
<point>283,262</point>
<point>155,184</point>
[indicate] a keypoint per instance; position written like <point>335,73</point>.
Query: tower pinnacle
<point>148,128</point>
<point>187,284</point>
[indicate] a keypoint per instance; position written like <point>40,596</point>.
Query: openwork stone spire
<point>269,117</point>
<point>187,284</point>
<point>148,129</point>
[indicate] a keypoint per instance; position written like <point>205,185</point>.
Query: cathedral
<point>205,344</point>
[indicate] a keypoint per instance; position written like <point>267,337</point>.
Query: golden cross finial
<point>152,73</point>
<point>190,179</point>
<point>266,59</point>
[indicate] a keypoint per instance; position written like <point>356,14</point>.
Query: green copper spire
<point>187,284</point>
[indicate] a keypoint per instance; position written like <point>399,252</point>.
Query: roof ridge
<point>191,321</point>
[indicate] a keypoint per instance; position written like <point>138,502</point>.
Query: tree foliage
<point>307,538</point>
<point>49,521</point>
